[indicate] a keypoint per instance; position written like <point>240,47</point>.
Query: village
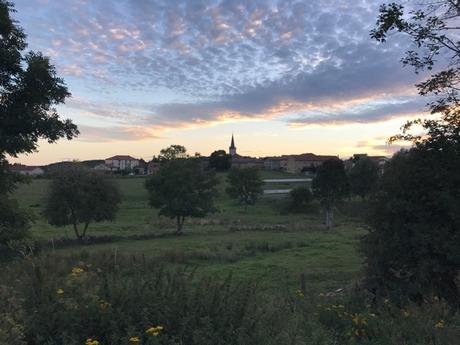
<point>295,164</point>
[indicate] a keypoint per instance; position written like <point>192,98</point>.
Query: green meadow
<point>265,244</point>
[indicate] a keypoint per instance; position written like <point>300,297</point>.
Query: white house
<point>121,162</point>
<point>27,169</point>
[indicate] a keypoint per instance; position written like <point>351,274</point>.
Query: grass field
<point>266,244</point>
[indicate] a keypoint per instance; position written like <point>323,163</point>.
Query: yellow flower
<point>76,271</point>
<point>154,331</point>
<point>440,324</point>
<point>299,293</point>
<point>321,294</point>
<point>134,340</point>
<point>90,341</point>
<point>60,291</point>
<point>406,313</point>
<point>104,304</point>
<point>359,332</point>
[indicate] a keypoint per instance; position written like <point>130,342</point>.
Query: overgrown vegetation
<point>110,299</point>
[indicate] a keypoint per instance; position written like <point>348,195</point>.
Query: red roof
<point>121,158</point>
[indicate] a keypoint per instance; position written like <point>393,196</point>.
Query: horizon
<point>287,77</point>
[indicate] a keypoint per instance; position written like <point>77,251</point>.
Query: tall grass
<point>108,299</point>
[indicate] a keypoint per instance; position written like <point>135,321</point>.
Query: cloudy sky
<point>283,76</point>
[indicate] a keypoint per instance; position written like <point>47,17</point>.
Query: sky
<point>284,76</point>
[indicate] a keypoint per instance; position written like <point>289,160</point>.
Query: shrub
<point>299,199</point>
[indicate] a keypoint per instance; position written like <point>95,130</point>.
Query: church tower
<point>232,148</point>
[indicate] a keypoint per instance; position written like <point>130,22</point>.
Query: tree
<point>300,198</point>
<point>29,92</point>
<point>220,160</point>
<point>172,152</point>
<point>245,184</point>
<point>330,185</point>
<point>433,27</point>
<point>180,189</point>
<point>412,249</point>
<point>78,196</point>
<point>363,177</point>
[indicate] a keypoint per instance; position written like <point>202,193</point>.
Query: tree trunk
<point>329,217</point>
<point>180,224</point>
<point>83,235</point>
<point>77,233</point>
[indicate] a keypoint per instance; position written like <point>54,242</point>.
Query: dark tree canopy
<point>245,184</point>
<point>172,152</point>
<point>79,196</point>
<point>413,248</point>
<point>29,92</point>
<point>363,177</point>
<point>182,188</point>
<point>330,185</point>
<point>300,198</point>
<point>434,29</point>
<point>220,160</point>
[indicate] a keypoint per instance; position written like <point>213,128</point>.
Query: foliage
<point>413,247</point>
<point>300,198</point>
<point>29,92</point>
<point>79,196</point>
<point>172,152</point>
<point>220,160</point>
<point>330,185</point>
<point>245,184</point>
<point>363,177</point>
<point>112,298</point>
<point>433,27</point>
<point>182,188</point>
<point>14,222</point>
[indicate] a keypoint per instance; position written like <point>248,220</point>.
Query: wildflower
<point>90,341</point>
<point>299,293</point>
<point>372,314</point>
<point>76,271</point>
<point>359,332</point>
<point>436,298</point>
<point>134,340</point>
<point>406,313</point>
<point>104,304</point>
<point>321,295</point>
<point>386,301</point>
<point>440,324</point>
<point>60,291</point>
<point>154,331</point>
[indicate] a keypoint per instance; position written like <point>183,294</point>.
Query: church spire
<point>232,148</point>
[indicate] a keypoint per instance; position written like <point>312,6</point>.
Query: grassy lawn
<point>266,244</point>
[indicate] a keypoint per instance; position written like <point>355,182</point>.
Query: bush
<point>412,249</point>
<point>299,199</point>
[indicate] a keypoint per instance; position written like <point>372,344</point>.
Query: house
<point>27,169</point>
<point>153,166</point>
<point>121,162</point>
<point>245,161</point>
<point>305,162</point>
<point>102,167</point>
<point>272,163</point>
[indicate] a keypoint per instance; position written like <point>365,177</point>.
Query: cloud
<point>168,64</point>
<point>112,134</point>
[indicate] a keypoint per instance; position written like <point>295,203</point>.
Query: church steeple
<point>232,148</point>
